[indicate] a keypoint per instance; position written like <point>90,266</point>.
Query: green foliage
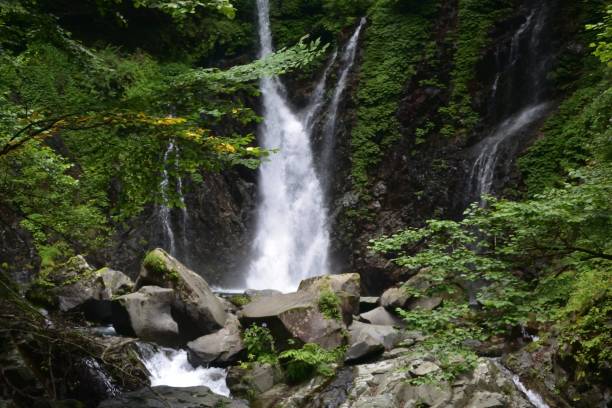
<point>259,344</point>
<point>301,364</point>
<point>178,9</point>
<point>393,46</point>
<point>329,305</point>
<point>566,136</point>
<point>475,19</point>
<point>291,19</point>
<point>82,130</point>
<point>154,262</point>
<point>603,45</point>
<point>298,364</point>
<point>446,329</point>
<point>239,300</point>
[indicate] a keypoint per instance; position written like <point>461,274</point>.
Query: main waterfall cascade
<point>492,161</point>
<point>292,238</point>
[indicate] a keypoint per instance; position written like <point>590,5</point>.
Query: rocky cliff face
<point>420,178</point>
<point>211,235</point>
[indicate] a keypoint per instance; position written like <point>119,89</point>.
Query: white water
<point>165,212</point>
<point>171,367</point>
<point>533,397</point>
<point>316,98</point>
<point>329,128</point>
<point>291,240</point>
<point>483,169</point>
<point>164,209</point>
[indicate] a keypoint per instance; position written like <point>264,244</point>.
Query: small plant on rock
<point>329,305</point>
<point>259,344</point>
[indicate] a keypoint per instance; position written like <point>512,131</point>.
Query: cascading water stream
<point>531,109</point>
<point>483,170</point>
<point>164,213</point>
<point>329,127</point>
<point>291,240</point>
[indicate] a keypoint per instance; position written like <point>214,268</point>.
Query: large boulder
<point>404,297</point>
<point>367,340</point>
<point>294,315</point>
<point>317,313</point>
<point>220,348</point>
<point>197,309</point>
<point>76,286</point>
<point>380,316</point>
<point>165,396</point>
<point>247,382</point>
<point>345,287</point>
<point>147,314</point>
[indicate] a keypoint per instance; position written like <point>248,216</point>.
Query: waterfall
<point>495,152</point>
<point>164,210</point>
<point>164,213</point>
<point>291,240</point>
<point>329,127</point>
<point>316,98</point>
<point>483,169</point>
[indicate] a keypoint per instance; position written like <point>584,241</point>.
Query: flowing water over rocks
<point>171,367</point>
<point>526,62</point>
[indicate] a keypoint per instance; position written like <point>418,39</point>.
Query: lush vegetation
<point>82,128</point>
<point>298,364</point>
<point>397,38</point>
<point>543,261</point>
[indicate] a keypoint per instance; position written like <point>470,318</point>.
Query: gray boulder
<point>294,315</point>
<point>147,315</point>
<point>199,311</point>
<point>252,381</point>
<point>380,316</point>
<point>346,288</point>
<point>302,316</point>
<point>164,396</point>
<point>367,340</point>
<point>400,297</point>
<point>393,298</point>
<point>220,348</point>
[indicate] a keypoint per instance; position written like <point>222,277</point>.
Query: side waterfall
<point>490,159</point>
<point>292,239</point>
<point>164,213</point>
<point>329,126</point>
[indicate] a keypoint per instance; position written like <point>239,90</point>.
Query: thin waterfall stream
<point>292,238</point>
<point>165,211</point>
<point>490,160</point>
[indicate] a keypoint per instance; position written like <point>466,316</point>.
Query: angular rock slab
<point>367,340</point>
<point>380,316</point>
<point>199,311</point>
<point>165,396</point>
<point>220,348</point>
<point>147,315</point>
<point>346,286</point>
<point>294,315</point>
